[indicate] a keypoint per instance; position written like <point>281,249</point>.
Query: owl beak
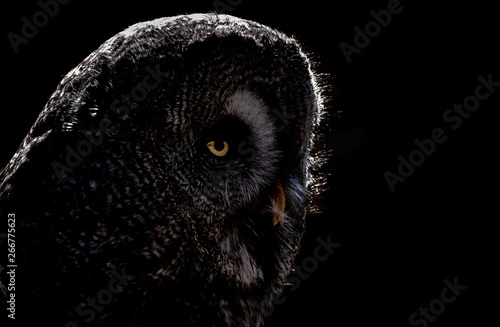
<point>278,203</point>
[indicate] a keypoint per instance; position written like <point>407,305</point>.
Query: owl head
<point>181,152</point>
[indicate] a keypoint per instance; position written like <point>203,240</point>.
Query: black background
<point>396,247</point>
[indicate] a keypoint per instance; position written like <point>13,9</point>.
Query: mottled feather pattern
<point>194,230</point>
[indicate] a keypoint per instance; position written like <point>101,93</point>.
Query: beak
<point>278,203</point>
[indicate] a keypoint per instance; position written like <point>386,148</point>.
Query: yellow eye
<point>218,148</point>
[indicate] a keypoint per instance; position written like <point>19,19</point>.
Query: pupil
<point>219,145</point>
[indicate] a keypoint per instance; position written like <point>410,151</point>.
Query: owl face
<point>239,119</point>
<point>198,186</point>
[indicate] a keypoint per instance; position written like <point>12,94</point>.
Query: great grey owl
<point>167,179</point>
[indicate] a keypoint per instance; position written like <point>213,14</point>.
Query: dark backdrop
<point>396,246</point>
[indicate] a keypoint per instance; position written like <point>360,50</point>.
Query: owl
<point>167,180</point>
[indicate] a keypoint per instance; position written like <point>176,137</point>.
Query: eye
<point>219,148</point>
